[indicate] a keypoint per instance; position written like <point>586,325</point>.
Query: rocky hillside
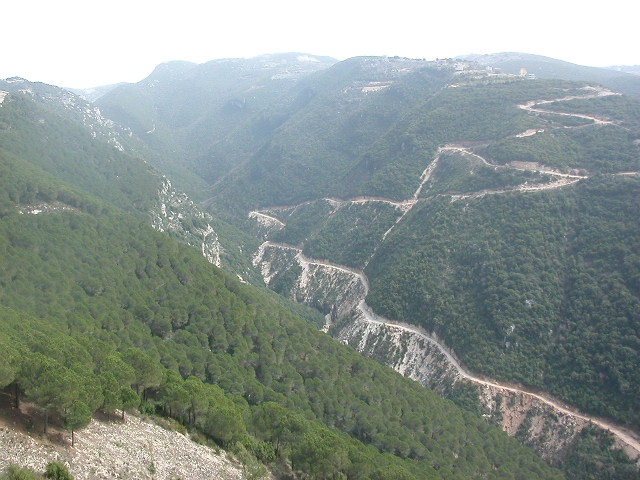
<point>137,448</point>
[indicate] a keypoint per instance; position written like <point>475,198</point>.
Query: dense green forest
<point>537,288</point>
<point>347,233</point>
<point>459,174</point>
<point>99,310</point>
<point>53,139</point>
<point>301,162</point>
<point>175,110</point>
<point>551,301</point>
<point>513,276</point>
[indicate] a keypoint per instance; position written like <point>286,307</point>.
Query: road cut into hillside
<point>356,289</point>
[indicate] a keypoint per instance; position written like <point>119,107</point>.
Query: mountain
<point>455,149</point>
<point>633,69</point>
<point>102,309</point>
<point>545,67</point>
<point>213,114</point>
<point>94,93</point>
<point>487,213</point>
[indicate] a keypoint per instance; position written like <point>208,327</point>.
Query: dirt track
<point>627,437</point>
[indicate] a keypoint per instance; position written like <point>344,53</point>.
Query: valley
<point>473,230</point>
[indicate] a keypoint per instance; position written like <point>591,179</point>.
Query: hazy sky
<point>83,43</point>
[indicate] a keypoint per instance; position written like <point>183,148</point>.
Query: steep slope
<point>473,201</point>
<point>430,282</point>
<point>136,448</point>
<point>326,148</point>
<point>61,134</point>
<point>115,281</point>
<point>100,311</point>
<point>214,115</point>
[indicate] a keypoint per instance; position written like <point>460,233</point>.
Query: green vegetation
<point>146,291</point>
<point>622,110</point>
<point>54,470</point>
<point>525,287</point>
<point>477,113</point>
<point>324,149</point>
<point>503,278</point>
<point>176,109</point>
<point>591,457</point>
<point>350,236</point>
<point>51,139</point>
<point>458,173</point>
<point>57,471</point>
<point>101,312</point>
<point>604,149</point>
<point>14,472</point>
<point>302,221</point>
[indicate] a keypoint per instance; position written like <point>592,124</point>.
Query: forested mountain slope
<point>559,281</point>
<point>493,210</point>
<point>440,272</point>
<point>71,140</point>
<point>99,311</point>
<point>483,113</point>
<point>206,118</point>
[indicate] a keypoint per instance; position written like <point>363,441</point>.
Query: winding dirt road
<point>625,436</point>
<point>598,92</point>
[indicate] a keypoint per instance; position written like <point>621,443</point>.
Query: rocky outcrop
<point>411,355</point>
<point>416,356</point>
<point>177,215</point>
<point>330,288</point>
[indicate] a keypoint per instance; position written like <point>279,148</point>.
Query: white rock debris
<point>329,287</point>
<point>44,207</point>
<point>136,448</point>
<point>266,224</point>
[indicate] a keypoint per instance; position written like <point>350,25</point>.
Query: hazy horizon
<point>78,45</point>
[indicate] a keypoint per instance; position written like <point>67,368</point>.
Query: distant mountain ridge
<point>633,69</point>
<point>94,93</point>
<point>546,67</point>
<point>196,112</point>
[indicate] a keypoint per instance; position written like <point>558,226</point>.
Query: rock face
<point>537,424</point>
<point>539,421</point>
<point>177,215</point>
<point>136,449</point>
<point>332,289</point>
<point>407,353</point>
